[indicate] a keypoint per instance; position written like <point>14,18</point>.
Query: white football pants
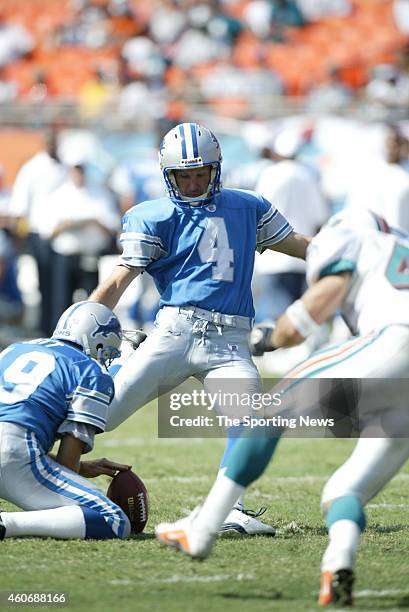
<point>178,347</point>
<point>31,480</point>
<point>374,461</point>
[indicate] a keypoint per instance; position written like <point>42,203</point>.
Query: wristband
<point>301,319</point>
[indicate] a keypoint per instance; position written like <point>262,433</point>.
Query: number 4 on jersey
<point>214,248</point>
<point>397,271</point>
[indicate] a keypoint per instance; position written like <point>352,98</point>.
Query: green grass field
<point>257,574</point>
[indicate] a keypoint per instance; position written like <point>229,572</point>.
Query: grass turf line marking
<point>179,578</point>
<point>140,440</point>
<point>215,578</point>
<point>390,506</point>
<point>383,593</point>
<point>295,479</point>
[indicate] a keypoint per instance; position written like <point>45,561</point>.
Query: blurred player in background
<point>294,189</point>
<point>383,185</point>
<point>364,272</point>
<point>59,388</point>
<point>82,225</point>
<point>11,303</point>
<point>36,179</point>
<point>280,280</point>
<point>198,244</point>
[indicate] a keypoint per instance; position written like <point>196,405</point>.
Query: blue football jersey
<point>45,382</point>
<point>204,255</point>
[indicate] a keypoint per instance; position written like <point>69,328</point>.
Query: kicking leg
<point>195,534</point>
<point>243,379</point>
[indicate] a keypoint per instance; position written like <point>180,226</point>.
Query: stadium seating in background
<point>354,42</point>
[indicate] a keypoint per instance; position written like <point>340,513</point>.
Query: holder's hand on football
<point>260,340</point>
<point>96,467</point>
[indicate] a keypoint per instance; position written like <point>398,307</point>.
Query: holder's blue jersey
<point>45,382</point>
<point>203,255</point>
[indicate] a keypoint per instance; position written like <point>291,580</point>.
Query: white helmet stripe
<point>182,140</point>
<point>189,140</point>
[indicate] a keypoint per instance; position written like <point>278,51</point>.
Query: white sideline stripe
<point>183,479</point>
<point>383,593</point>
<point>215,578</point>
<point>143,440</point>
<point>177,578</point>
<point>188,479</point>
<point>384,505</point>
<point>277,479</point>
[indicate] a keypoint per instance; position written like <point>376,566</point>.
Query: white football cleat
<point>182,535</point>
<point>245,523</point>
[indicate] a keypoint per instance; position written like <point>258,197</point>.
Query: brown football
<point>129,493</point>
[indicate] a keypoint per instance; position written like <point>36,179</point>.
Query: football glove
<point>135,337</point>
<point>260,339</point>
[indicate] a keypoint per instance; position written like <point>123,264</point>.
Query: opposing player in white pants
<point>198,244</point>
<point>59,388</point>
<point>364,273</point>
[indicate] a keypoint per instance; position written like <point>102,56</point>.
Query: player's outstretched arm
<point>294,244</point>
<point>110,290</point>
<point>317,305</point>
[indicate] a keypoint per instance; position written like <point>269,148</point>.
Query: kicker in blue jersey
<point>203,255</point>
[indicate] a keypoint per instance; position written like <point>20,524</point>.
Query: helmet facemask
<point>103,353</point>
<point>204,198</point>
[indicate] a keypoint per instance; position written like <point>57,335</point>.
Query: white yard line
<point>214,578</point>
<point>143,440</point>
<point>383,593</point>
<point>176,578</point>
<point>388,506</point>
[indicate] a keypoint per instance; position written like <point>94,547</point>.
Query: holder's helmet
<point>94,327</point>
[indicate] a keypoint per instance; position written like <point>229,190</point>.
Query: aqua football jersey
<point>45,382</point>
<point>203,255</point>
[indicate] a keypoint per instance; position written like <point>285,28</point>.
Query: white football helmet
<point>94,327</point>
<point>358,219</point>
<point>189,145</point>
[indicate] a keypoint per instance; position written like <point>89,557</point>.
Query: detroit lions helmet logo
<point>111,327</point>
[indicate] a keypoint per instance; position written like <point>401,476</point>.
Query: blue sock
<point>249,458</point>
<point>347,507</point>
<point>96,527</point>
<point>233,435</point>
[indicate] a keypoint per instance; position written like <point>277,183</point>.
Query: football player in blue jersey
<point>54,388</point>
<point>198,244</point>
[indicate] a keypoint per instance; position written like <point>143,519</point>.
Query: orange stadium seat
<point>20,71</point>
<point>229,107</point>
<point>354,43</point>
